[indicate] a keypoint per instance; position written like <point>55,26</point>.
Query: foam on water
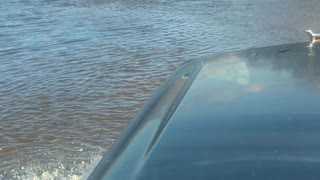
<point>48,171</point>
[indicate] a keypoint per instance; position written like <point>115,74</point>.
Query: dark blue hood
<point>250,114</point>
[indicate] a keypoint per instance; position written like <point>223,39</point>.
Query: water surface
<point>75,72</point>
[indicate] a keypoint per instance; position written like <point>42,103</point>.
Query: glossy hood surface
<point>252,114</point>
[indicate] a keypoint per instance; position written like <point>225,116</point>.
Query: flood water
<point>73,73</point>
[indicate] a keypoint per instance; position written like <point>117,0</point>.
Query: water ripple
<point>73,73</point>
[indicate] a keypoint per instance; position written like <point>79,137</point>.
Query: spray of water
<point>53,171</point>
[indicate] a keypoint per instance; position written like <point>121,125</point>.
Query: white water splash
<point>53,172</point>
